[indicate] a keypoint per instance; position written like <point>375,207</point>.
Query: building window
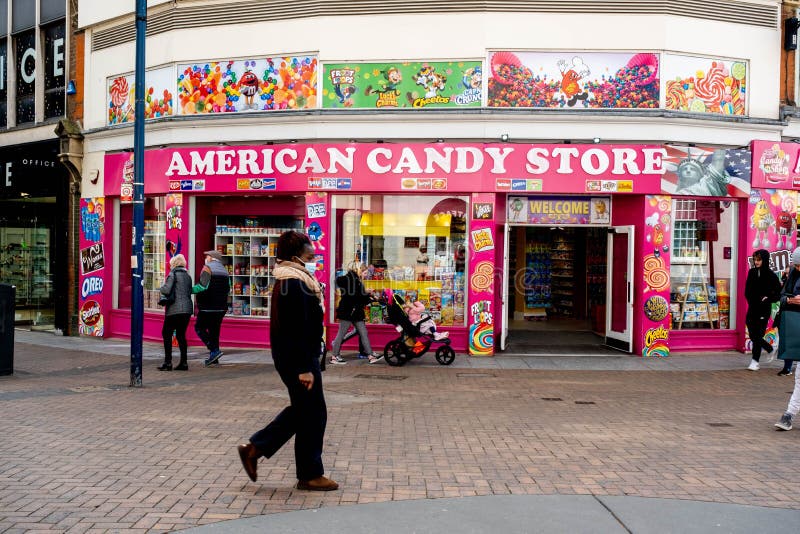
<point>54,69</point>
<point>702,268</point>
<point>25,60</point>
<point>413,245</point>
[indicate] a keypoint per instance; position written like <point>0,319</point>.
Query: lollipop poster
<point>573,80</point>
<point>403,85</point>
<point>247,85</point>
<point>158,101</point>
<point>703,85</point>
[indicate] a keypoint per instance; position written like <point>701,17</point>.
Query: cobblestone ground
<point>82,452</point>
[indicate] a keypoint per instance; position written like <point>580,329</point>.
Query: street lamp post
<point>137,259</point>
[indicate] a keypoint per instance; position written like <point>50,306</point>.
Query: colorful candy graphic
<point>119,91</point>
<point>717,90</point>
<point>656,308</point>
<point>481,339</point>
<point>481,279</point>
<point>657,350</point>
<point>513,84</point>
<point>655,275</point>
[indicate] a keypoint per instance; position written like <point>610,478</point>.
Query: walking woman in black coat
<point>178,313</point>
<point>761,289</point>
<point>296,325</point>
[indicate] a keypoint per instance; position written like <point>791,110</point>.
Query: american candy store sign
<point>396,167</point>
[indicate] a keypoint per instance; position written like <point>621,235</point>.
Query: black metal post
<point>137,293</point>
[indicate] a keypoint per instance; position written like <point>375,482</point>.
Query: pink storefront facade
<point>674,254</point>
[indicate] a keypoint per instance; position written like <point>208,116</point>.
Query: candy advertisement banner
<point>425,84</point>
<point>92,234</point>
<point>771,225</point>
<point>776,165</point>
<point>177,230</point>
<point>318,231</point>
<point>706,171</point>
<point>481,281</point>
<point>705,85</point>
<point>247,85</point>
<point>656,296</point>
<point>559,210</point>
<point>159,97</point>
<point>420,167</point>
<point>576,80</point>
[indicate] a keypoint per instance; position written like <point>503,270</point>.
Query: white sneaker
<point>753,366</point>
<point>337,360</point>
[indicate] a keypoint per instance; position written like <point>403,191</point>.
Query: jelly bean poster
<point>573,80</point>
<point>704,85</point>
<point>121,97</point>
<point>481,280</point>
<point>177,231</point>
<point>656,295</point>
<point>92,272</point>
<point>771,225</point>
<point>427,84</point>
<point>259,84</point>
<point>707,171</point>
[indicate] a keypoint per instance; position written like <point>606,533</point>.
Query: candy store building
<point>561,200</point>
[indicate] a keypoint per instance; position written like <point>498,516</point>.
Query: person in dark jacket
<point>295,333</point>
<point>761,289</point>
<point>212,290</point>
<point>351,312</point>
<point>789,335</point>
<point>178,313</point>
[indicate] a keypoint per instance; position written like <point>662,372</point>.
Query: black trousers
<point>177,323</point>
<point>756,326</point>
<point>207,326</point>
<point>305,419</point>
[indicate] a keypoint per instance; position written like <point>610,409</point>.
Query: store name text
<point>427,160</point>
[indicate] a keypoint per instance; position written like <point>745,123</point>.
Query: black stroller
<point>411,343</point>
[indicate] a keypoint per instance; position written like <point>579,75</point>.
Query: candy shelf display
<point>562,274</point>
<point>596,260</point>
<point>537,281</point>
<point>154,267</point>
<point>694,302</point>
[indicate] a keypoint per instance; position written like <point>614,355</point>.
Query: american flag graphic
<point>738,166</point>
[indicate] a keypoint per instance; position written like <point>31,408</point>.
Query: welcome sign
<point>583,211</point>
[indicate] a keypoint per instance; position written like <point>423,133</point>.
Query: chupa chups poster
<point>92,267</point>
<point>771,225</point>
<point>318,230</point>
<point>576,80</point>
<point>427,84</point>
<point>247,85</point>
<point>158,100</point>
<point>706,171</point>
<point>705,85</point>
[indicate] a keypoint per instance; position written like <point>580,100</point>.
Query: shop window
<point>702,265</point>
<point>154,252</point>
<point>247,245</point>
<point>414,245</point>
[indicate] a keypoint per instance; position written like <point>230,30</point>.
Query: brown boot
<point>249,456</point>
<point>317,484</point>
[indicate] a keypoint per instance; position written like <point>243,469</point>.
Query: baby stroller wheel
<point>394,353</point>
<point>445,355</point>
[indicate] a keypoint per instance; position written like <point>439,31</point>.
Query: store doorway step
<point>564,337</point>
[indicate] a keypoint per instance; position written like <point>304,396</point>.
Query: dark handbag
<point>166,300</point>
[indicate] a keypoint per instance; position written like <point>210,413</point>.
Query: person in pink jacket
<point>420,319</point>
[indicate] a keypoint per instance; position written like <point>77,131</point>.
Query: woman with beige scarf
<point>296,330</point>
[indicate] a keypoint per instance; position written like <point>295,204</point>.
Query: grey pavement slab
<point>573,514</point>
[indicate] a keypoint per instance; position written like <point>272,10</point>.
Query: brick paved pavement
<point>82,452</point>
